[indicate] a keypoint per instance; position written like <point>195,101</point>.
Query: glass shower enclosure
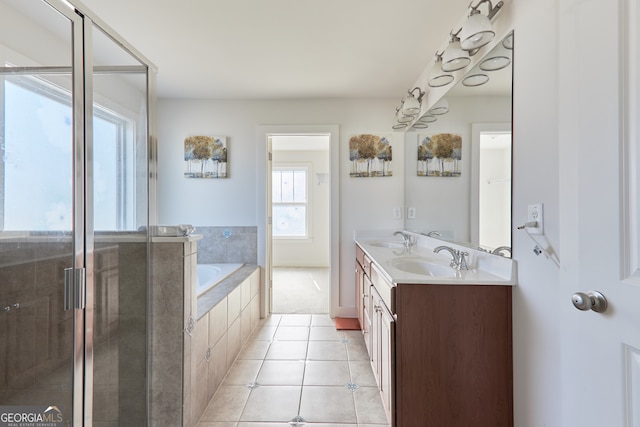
<point>75,119</point>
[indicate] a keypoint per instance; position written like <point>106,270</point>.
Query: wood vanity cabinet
<point>442,353</point>
<point>363,296</point>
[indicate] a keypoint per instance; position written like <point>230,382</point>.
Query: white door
<point>599,191</point>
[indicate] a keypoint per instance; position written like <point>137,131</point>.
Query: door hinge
<point>270,221</point>
<point>270,156</point>
<point>74,288</point>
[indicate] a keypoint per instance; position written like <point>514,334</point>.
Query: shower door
<point>42,240</point>
<point>73,219</point>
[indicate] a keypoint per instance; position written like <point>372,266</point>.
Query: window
<point>38,154</point>
<point>290,201</point>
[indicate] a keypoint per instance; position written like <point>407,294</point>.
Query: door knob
<point>592,300</point>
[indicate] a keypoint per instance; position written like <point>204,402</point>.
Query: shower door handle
<point>74,288</point>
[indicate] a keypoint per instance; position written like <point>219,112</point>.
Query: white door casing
<point>264,229</point>
<point>598,161</point>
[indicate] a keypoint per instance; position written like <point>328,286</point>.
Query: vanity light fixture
<point>441,107</point>
<point>428,118</point>
<point>477,79</point>
<point>477,31</point>
<point>439,78</point>
<point>507,43</point>
<point>403,118</point>
<point>495,63</point>
<point>400,126</point>
<point>411,105</point>
<point>402,121</point>
<point>454,58</point>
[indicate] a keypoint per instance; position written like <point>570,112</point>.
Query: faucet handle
<point>462,260</point>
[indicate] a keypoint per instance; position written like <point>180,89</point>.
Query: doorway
<point>328,179</point>
<point>491,192</point>
<point>300,227</point>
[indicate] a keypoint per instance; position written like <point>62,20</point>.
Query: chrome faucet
<point>458,258</point>
<point>406,238</point>
<point>500,249</point>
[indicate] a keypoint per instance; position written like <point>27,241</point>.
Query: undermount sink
<point>387,244</point>
<point>424,267</point>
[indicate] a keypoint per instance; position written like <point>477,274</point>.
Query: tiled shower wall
<point>227,245</point>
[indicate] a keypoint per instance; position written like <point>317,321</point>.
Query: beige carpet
<point>300,290</point>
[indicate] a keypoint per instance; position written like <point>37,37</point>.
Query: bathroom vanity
<point>439,339</point>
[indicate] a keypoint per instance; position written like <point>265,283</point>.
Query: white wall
<point>536,337</point>
<point>365,203</point>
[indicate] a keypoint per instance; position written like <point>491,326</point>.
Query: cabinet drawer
<point>364,260</point>
<point>359,255</point>
<point>386,290</point>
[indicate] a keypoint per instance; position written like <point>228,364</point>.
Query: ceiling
<point>283,49</point>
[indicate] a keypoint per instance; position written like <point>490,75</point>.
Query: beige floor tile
<point>272,320</point>
<point>332,425</point>
<point>325,333</point>
<point>266,425</point>
<point>243,372</point>
<point>327,405</point>
<point>216,424</point>
<point>322,320</point>
<point>369,407</point>
<point>327,350</point>
<point>256,350</point>
<point>357,350</point>
<point>292,333</point>
<point>264,333</point>
<point>281,372</point>
<point>227,404</point>
<point>287,350</point>
<point>295,320</point>
<point>274,404</point>
<point>323,372</point>
<point>361,373</point>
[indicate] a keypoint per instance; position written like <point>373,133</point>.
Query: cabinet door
<point>359,293</point>
<point>387,358</point>
<point>376,334</point>
<point>367,314</point>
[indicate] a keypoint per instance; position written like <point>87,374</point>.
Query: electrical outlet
<point>535,214</point>
<point>411,213</point>
<point>397,213</point>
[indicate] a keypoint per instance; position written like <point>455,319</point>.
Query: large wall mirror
<point>458,169</point>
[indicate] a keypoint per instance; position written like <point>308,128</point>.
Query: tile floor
<point>297,370</point>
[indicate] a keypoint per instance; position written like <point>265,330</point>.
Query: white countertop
<point>483,268</point>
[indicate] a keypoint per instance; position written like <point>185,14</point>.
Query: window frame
<point>295,166</point>
<point>124,146</point>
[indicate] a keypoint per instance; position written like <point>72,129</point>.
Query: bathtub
<point>209,275</point>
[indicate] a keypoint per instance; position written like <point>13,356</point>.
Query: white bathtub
<point>209,275</point>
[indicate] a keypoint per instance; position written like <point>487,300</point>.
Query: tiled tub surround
<point>227,244</point>
<point>196,341</point>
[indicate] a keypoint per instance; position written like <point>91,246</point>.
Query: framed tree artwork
<point>439,155</point>
<point>205,157</point>
<point>370,156</point>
